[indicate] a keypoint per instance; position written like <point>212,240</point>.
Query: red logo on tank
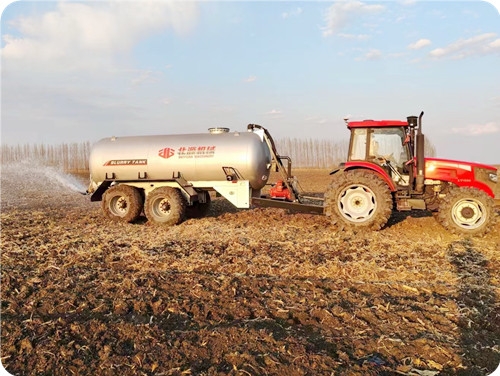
<point>166,153</point>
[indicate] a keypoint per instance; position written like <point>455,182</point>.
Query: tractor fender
<point>369,166</point>
<point>340,168</point>
<point>336,170</point>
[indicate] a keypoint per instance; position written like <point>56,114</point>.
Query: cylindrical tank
<point>198,157</point>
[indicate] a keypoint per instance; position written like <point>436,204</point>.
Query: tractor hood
<point>462,174</point>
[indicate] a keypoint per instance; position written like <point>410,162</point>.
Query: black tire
<point>165,206</point>
<point>358,199</point>
<point>122,203</point>
<point>466,211</point>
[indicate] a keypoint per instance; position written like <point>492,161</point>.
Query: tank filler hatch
<point>218,130</point>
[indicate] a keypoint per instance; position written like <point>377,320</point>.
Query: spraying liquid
<point>33,185</point>
<point>66,180</point>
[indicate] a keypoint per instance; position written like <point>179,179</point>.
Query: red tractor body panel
<point>374,167</point>
<point>457,172</point>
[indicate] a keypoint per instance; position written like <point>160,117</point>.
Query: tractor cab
<point>384,143</point>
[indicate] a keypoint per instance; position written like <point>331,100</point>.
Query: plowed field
<point>239,292</point>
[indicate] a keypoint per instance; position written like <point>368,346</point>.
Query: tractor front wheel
<point>358,199</point>
<point>466,211</point>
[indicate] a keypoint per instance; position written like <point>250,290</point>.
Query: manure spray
<point>29,175</point>
<point>64,179</point>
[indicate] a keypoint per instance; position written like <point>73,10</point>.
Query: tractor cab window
<point>388,144</point>
<point>358,145</point>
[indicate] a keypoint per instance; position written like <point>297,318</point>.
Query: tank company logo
<point>126,162</point>
<point>188,152</point>
<point>166,153</point>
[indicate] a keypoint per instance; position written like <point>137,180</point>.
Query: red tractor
<point>386,169</point>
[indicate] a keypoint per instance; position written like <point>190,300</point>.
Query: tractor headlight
<point>493,177</point>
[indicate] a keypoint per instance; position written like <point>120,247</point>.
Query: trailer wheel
<point>358,199</point>
<point>122,203</point>
<point>466,211</point>
<point>165,206</point>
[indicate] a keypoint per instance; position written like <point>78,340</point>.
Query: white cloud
<point>421,43</point>
<point>293,13</point>
<point>72,66</point>
<point>250,79</point>
<point>274,112</point>
<point>408,2</point>
<point>143,77</point>
<point>479,45</point>
<point>78,35</point>
<point>372,54</point>
<point>341,13</point>
<point>478,129</point>
<point>495,44</point>
<point>353,36</point>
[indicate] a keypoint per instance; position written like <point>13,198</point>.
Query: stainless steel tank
<point>198,157</point>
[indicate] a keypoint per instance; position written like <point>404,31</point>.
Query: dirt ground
<point>239,292</point>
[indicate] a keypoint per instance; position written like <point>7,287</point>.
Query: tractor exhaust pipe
<point>419,186</point>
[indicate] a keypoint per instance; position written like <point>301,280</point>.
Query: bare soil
<point>239,292</point>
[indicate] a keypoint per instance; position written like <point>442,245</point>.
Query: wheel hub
<point>119,206</point>
<point>468,213</point>
<point>165,206</point>
<point>162,207</point>
<point>357,203</point>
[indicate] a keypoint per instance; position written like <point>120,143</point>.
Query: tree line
<point>72,157</point>
<point>313,153</point>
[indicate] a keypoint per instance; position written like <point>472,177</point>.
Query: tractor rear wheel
<point>358,199</point>
<point>165,206</point>
<point>466,211</point>
<point>122,203</point>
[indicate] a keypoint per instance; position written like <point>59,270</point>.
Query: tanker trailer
<point>166,175</point>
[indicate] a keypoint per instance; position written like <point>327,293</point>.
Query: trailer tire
<point>358,199</point>
<point>466,211</point>
<point>122,203</point>
<point>165,206</point>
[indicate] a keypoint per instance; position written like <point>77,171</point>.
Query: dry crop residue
<point>259,292</point>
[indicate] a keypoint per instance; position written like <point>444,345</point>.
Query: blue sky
<point>79,71</point>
